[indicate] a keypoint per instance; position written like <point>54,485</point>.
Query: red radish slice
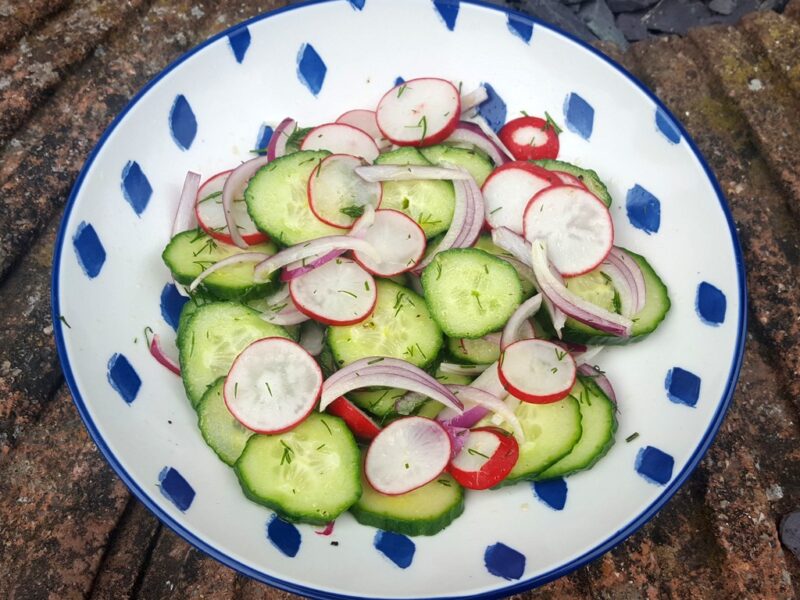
<point>530,138</point>
<point>537,371</point>
<point>184,215</point>
<point>337,195</point>
<point>576,226</point>
<point>316,248</point>
<point>569,179</point>
<point>237,181</point>
<point>366,121</point>
<point>277,143</point>
<point>362,426</point>
<point>211,215</point>
<point>419,112</point>
<point>400,243</point>
<point>487,457</point>
<point>513,330</point>
<point>339,292</point>
<point>158,352</point>
<point>406,455</point>
<point>272,385</point>
<point>508,190</point>
<point>339,138</point>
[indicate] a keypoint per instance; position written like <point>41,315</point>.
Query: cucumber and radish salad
<point>393,308</point>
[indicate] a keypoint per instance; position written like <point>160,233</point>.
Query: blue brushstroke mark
<point>579,115</point>
<point>644,209</point>
<point>397,548</point>
<point>310,68</point>
<point>135,186</point>
<point>654,465</point>
<point>172,304</point>
<point>711,304</point>
<point>88,249</point>
<point>357,4</point>
<point>123,377</point>
<point>493,109</point>
<point>448,11</point>
<point>175,488</point>
<point>182,122</point>
<point>503,561</point>
<point>239,41</point>
<point>522,28</point>
<point>399,81</point>
<point>264,136</point>
<point>683,387</point>
<point>552,492</point>
<point>667,127</point>
<point>284,536</point>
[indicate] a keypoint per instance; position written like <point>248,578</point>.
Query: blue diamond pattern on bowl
<point>448,11</point>
<point>579,115</point>
<point>182,122</point>
<point>175,488</point>
<point>239,42</point>
<point>311,68</point>
<point>284,536</point>
<point>123,377</point>
<point>711,304</point>
<point>88,249</point>
<point>503,561</point>
<point>683,387</point>
<point>136,188</point>
<point>643,209</point>
<point>654,465</point>
<point>553,492</point>
<point>396,547</point>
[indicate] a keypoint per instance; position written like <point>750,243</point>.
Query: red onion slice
<point>377,173</point>
<point>474,99</point>
<point>185,218</point>
<point>487,402</point>
<point>242,257</point>
<point>157,350</point>
<point>236,181</point>
<point>629,269</point>
<point>293,272</point>
<point>491,135</point>
<point>600,379</point>
<point>472,134</point>
<point>277,143</point>
<point>518,246</point>
<point>570,303</point>
<point>513,328</point>
<point>327,530</point>
<point>456,369</point>
<point>286,313</point>
<point>319,246</point>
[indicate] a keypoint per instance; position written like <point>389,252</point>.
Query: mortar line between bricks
<point>148,557</point>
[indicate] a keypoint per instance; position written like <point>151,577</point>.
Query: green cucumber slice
<point>220,429</point>
<point>474,161</point>
<point>589,178</point>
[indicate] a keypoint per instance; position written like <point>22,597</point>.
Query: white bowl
<point>205,112</point>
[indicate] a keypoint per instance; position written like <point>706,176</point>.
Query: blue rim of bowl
<point>615,539</point>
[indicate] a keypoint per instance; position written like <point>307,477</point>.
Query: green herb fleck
<point>366,285</point>
<point>560,354</point>
<point>320,447</point>
<point>551,123</point>
<point>421,352</point>
<point>405,203</point>
<point>477,295</point>
<point>554,370</point>
<point>444,482</point>
<point>64,321</point>
<point>401,89</point>
<point>235,389</point>
<point>375,360</point>
<point>269,389</point>
<point>328,427</point>
<point>288,453</point>
<point>348,293</point>
<point>353,211</point>
<point>632,437</point>
<point>476,453</point>
<point>491,212</point>
<point>211,196</point>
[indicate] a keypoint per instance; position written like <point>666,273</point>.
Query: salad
<point>386,311</point>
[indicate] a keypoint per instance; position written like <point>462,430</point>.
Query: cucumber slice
<point>424,511</point>
<point>589,178</point>
<point>429,203</point>
<point>598,423</point>
<point>309,474</point>
<point>595,287</point>
<point>485,243</point>
<point>646,321</point>
<point>474,161</point>
<point>473,352</point>
<point>191,252</point>
<point>400,326</point>
<point>221,431</point>
<point>212,338</point>
<point>380,401</point>
<point>470,292</point>
<point>277,199</point>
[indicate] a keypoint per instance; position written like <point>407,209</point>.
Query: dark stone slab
<point>559,15</point>
<point>632,27</point>
<point>624,6</point>
<point>676,16</point>
<point>600,20</point>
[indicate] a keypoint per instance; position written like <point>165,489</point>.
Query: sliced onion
<point>466,224</point>
<point>185,217</point>
<point>457,435</point>
<point>557,316</point>
<point>315,247</point>
<point>485,402</point>
<point>236,181</point>
<point>235,259</point>
<point>456,369</point>
<point>364,222</point>
<point>277,143</point>
<point>570,303</point>
<point>376,173</point>
<point>589,352</point>
<point>392,373</point>
<point>511,332</point>
<point>157,350</point>
<point>415,283</point>
<point>287,315</point>
<point>523,270</point>
<point>600,379</point>
<point>489,133</point>
<point>620,266</point>
<point>295,270</point>
<point>488,381</point>
<point>474,98</point>
<point>492,338</point>
<point>518,246</point>
<point>312,337</point>
<point>278,295</point>
<point>472,134</point>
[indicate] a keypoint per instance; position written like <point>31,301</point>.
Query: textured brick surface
<point>69,529</point>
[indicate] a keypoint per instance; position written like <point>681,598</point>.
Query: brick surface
<point>21,16</point>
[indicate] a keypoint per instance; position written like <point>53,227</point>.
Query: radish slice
<point>337,195</point>
<point>399,241</point>
<point>569,179</point>
<point>312,337</point>
<point>472,134</point>
<point>357,420</point>
<point>513,328</point>
<point>508,190</point>
<point>419,112</point>
<point>487,403</point>
<point>184,215</point>
<point>406,455</point>
<point>272,385</point>
<point>339,138</point>
<point>158,352</point>
<point>537,371</point>
<point>571,304</point>
<point>339,292</point>
<point>237,181</point>
<point>211,216</point>
<point>316,247</point>
<point>277,143</point>
<point>366,121</point>
<point>409,172</point>
<point>575,224</point>
<point>487,457</point>
<point>530,138</point>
